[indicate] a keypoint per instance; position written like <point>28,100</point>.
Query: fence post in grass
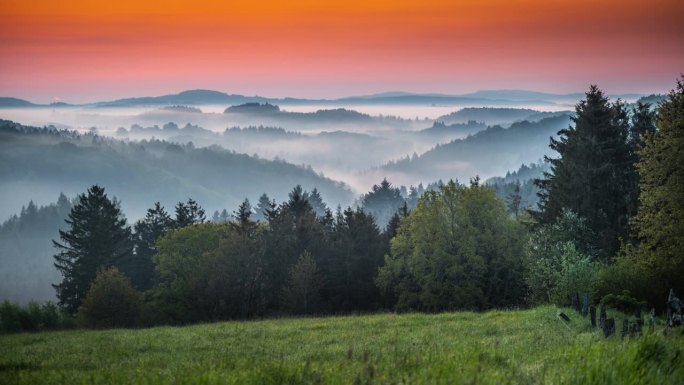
<point>592,311</point>
<point>638,323</point>
<point>576,303</point>
<point>609,327</point>
<point>625,327</point>
<point>585,304</point>
<point>651,319</point>
<point>602,317</point>
<point>675,309</point>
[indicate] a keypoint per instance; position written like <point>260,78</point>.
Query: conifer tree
<point>98,238</point>
<point>660,219</point>
<point>382,202</point>
<point>189,213</point>
<point>514,199</point>
<point>317,203</point>
<point>594,174</point>
<point>301,294</point>
<point>140,268</point>
<point>264,207</point>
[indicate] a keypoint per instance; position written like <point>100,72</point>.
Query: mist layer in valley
<point>352,140</point>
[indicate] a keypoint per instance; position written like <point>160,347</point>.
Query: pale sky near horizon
<point>81,51</point>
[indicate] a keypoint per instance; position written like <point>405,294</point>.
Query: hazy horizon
<point>78,51</point>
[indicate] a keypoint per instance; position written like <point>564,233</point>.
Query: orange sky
<point>82,50</point>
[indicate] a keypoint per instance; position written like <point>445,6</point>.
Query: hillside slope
<point>487,153</point>
<point>38,164</point>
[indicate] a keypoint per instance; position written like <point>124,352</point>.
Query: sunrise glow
<point>83,50</point>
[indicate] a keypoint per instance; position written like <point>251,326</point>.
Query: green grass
<point>496,347</point>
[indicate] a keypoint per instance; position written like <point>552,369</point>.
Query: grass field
<point>497,347</point>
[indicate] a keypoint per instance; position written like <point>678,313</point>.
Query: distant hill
<point>479,98</point>
<point>273,113</point>
<point>494,115</point>
<point>653,99</point>
<point>534,96</point>
<point>7,102</point>
<point>486,153</point>
<point>440,130</point>
<point>37,163</point>
<point>192,97</point>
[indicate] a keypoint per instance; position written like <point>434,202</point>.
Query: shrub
<point>34,317</point>
<point>10,318</point>
<point>111,301</point>
<point>556,277</point>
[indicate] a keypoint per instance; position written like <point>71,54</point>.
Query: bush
<point>624,302</point>
<point>555,278</point>
<point>561,261</point>
<point>10,318</point>
<point>632,273</point>
<point>33,317</point>
<point>111,302</point>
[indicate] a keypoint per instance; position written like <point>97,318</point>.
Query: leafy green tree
<point>98,238</point>
<point>301,294</point>
<point>458,249</point>
<point>147,231</point>
<point>594,175</point>
<point>556,277</point>
<point>181,253</point>
<point>111,301</point>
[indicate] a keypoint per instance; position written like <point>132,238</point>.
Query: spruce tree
<point>189,213</point>
<point>660,219</point>
<point>264,207</point>
<point>382,202</point>
<point>317,203</point>
<point>98,238</point>
<point>514,200</point>
<point>140,268</point>
<point>594,174</point>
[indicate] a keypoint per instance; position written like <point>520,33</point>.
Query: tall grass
<point>496,347</point>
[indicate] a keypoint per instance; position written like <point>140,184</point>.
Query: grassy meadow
<point>496,347</point>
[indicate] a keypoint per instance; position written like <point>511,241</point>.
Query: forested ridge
<point>47,161</point>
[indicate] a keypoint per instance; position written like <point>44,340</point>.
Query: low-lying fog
<point>353,145</point>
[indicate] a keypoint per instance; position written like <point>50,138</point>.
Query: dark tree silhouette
<point>98,238</point>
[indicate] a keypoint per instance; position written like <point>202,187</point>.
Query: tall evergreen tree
<point>98,238</point>
<point>515,199</point>
<point>382,202</point>
<point>189,213</point>
<point>316,202</point>
<point>355,253</point>
<point>594,174</point>
<point>660,219</point>
<point>243,219</point>
<point>264,207</point>
<point>140,268</point>
<point>643,123</point>
<point>301,294</point>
